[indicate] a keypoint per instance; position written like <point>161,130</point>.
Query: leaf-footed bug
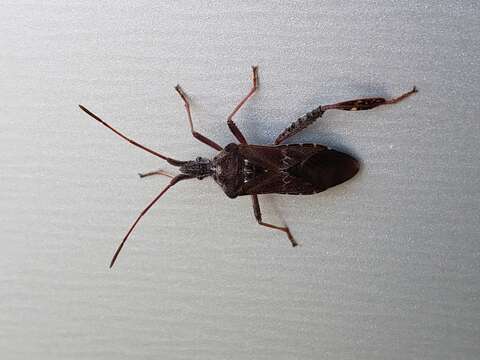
<point>245,169</point>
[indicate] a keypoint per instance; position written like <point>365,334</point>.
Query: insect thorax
<point>229,170</point>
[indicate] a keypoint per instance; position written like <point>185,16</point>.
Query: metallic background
<point>389,262</point>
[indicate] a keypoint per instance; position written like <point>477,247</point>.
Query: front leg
<point>351,105</point>
<point>258,216</point>
<point>196,135</point>
<point>232,126</point>
<point>157,172</point>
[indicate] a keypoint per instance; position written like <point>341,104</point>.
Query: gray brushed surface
<point>389,263</point>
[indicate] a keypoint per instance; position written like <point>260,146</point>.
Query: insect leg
<point>157,172</point>
<point>297,126</point>
<point>195,134</point>
<point>258,216</point>
<point>232,126</point>
<point>367,103</point>
<point>351,105</point>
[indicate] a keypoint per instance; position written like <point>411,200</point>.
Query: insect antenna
<point>168,159</point>
<point>175,180</point>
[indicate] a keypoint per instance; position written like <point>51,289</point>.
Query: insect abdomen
<point>326,169</point>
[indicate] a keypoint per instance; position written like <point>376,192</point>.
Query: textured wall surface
<point>389,262</point>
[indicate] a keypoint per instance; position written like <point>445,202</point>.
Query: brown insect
<point>244,169</point>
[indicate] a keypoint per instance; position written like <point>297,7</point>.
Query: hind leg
<point>367,103</point>
<point>351,105</point>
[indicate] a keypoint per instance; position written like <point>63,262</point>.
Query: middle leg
<point>232,126</point>
<point>258,217</point>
